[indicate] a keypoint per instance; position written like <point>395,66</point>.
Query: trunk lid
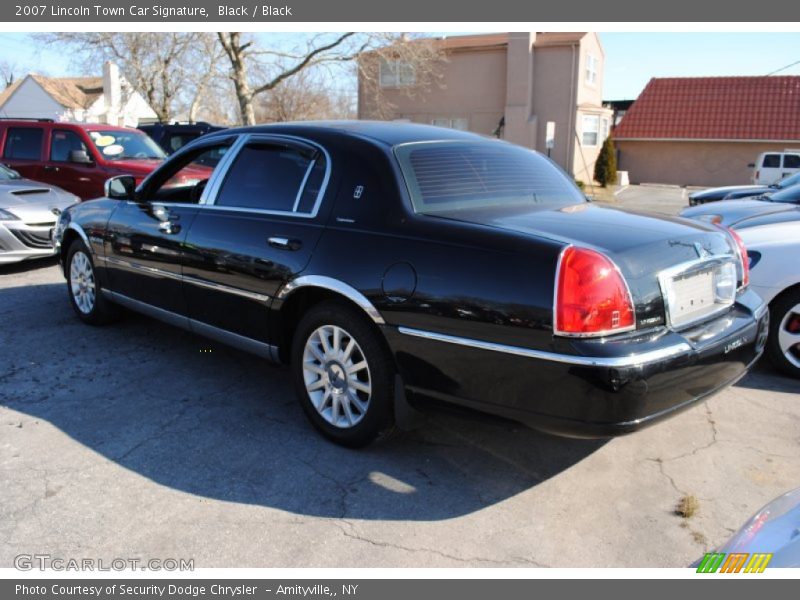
<point>640,244</point>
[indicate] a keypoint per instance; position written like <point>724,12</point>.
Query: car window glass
<point>178,141</point>
<point>266,177</point>
<point>62,143</point>
<point>187,178</point>
<point>314,183</point>
<point>772,161</point>
<point>23,142</point>
<point>467,175</point>
<point>791,161</point>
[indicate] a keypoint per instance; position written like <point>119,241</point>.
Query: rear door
<point>23,149</point>
<point>75,177</point>
<point>259,229</point>
<point>769,171</point>
<point>791,164</point>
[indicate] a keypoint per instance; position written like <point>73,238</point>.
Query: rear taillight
<point>591,295</point>
<point>743,260</point>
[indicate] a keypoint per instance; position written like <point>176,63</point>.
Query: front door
<point>145,238</point>
<point>259,229</point>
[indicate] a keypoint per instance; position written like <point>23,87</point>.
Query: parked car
<point>773,166</point>
<point>773,531</point>
<point>174,136</point>
<point>78,157</point>
<point>394,262</point>
<point>781,205</point>
<point>773,249</point>
<point>732,192</point>
<point>28,211</point>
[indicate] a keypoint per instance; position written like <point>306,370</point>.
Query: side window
<point>269,177</point>
<point>178,141</point>
<point>791,161</point>
<point>62,143</point>
<point>187,178</point>
<point>23,142</point>
<point>772,161</point>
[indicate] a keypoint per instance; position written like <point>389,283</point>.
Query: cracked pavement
<point>134,441</point>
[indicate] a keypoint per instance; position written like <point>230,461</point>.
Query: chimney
<point>520,120</point>
<point>112,92</point>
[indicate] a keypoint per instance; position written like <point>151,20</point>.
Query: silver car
<point>28,213</point>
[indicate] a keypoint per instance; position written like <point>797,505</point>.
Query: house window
<point>604,129</point>
<point>590,129</point>
<point>458,123</point>
<point>396,73</point>
<point>591,69</point>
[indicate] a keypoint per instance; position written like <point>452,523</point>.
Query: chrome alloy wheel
<point>789,335</point>
<point>336,376</point>
<point>81,278</point>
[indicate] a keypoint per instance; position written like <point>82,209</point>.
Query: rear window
<point>24,143</point>
<point>443,176</point>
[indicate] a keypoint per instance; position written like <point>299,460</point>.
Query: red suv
<point>77,157</point>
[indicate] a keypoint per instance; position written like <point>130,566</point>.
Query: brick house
<point>707,130</point>
<point>509,85</point>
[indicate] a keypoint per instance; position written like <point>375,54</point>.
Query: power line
<point>797,62</point>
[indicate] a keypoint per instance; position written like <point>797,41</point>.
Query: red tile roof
<point>715,108</point>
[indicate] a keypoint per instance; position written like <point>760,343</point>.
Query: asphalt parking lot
<point>139,440</point>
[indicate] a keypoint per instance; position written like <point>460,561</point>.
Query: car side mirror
<point>80,156</point>
<point>121,187</point>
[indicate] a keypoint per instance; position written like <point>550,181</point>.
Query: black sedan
<point>732,192</point>
<point>395,263</point>
<point>778,206</point>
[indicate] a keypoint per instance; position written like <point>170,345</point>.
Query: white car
<point>772,166</point>
<point>774,252</point>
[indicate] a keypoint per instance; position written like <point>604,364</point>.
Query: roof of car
<point>390,133</point>
<point>65,124</point>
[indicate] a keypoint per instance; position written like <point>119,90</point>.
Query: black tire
<point>378,418</point>
<point>778,310</point>
<point>102,311</point>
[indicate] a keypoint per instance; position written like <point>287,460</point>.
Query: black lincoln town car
<point>394,263</point>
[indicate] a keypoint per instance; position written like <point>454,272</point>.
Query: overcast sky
<point>631,58</point>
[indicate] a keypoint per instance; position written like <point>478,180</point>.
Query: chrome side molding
<point>618,362</point>
<point>211,285</point>
<point>334,285</point>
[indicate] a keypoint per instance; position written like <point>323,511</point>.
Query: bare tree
<point>210,55</point>
<point>304,97</point>
<point>171,70</point>
<point>7,73</point>
<point>256,71</point>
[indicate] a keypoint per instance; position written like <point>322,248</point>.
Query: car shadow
<point>766,377</point>
<point>28,265</point>
<point>201,418</point>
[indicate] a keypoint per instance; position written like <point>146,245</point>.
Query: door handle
<point>50,168</point>
<point>169,227</point>
<point>284,243</point>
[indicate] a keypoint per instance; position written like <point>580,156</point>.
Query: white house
<point>107,99</point>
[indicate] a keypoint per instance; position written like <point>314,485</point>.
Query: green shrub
<point>605,169</point>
